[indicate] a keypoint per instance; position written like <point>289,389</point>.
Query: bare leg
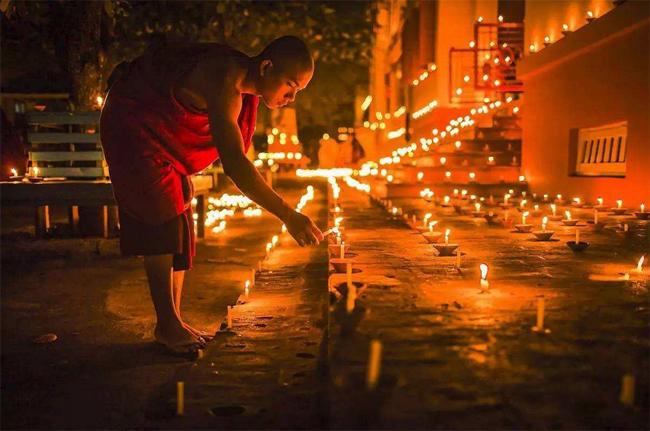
<point>178,278</point>
<point>169,327</point>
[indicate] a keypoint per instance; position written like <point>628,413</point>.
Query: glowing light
<point>448,174</point>
<point>639,265</point>
<point>523,217</point>
<point>619,203</point>
<point>447,232</point>
<point>544,222</point>
<point>14,173</point>
<point>443,160</point>
<point>421,175</point>
<point>366,102</point>
<point>553,209</point>
<point>522,178</point>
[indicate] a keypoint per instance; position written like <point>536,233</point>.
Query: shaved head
<point>288,51</point>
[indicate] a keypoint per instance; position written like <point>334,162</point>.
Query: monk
<point>169,114</point>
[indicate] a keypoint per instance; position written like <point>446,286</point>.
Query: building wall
<point>545,18</point>
<point>595,76</point>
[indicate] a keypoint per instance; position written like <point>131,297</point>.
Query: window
<point>601,151</point>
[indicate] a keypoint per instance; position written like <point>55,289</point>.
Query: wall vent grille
<point>601,151</point>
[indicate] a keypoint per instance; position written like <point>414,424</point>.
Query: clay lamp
<point>339,264</point>
<point>432,236</point>
<point>577,203</point>
<point>33,177</point>
<point>478,213</point>
<point>643,214</point>
<point>636,272</point>
<point>524,227</point>
<point>445,249</point>
<point>14,175</point>
<point>505,203</point>
<point>600,205</point>
<point>568,221</point>
<point>577,245</point>
<point>446,202</point>
<point>491,218</point>
<point>543,235</point>
<point>559,199</point>
<point>554,215</point>
<point>424,226</point>
<point>619,210</point>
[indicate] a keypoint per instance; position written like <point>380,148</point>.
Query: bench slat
<point>74,172</point>
<point>64,156</point>
<point>63,138</point>
<point>36,118</point>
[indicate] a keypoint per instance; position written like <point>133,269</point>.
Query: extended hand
<point>303,230</point>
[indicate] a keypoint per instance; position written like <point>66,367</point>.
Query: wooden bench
<point>65,150</point>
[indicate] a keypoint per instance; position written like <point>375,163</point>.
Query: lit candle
<point>627,390</point>
<point>639,265</point>
<point>229,317</point>
<point>522,204</point>
<point>485,285</point>
<point>342,249</point>
<point>374,364</point>
<point>559,197</point>
<point>446,200</point>
<point>600,201</point>
<point>477,206</point>
<point>642,206</point>
<point>448,175</point>
<point>337,222</point>
<point>431,225</point>
<point>619,203</point>
<point>544,223</point>
<point>247,285</point>
<point>427,216</point>
<point>523,217</point>
<point>14,172</point>
<point>180,398</point>
<point>536,208</point>
<point>576,201</point>
<point>447,232</point>
<point>505,198</point>
<point>394,211</point>
<point>420,176</point>
<point>553,209</point>
<point>568,215</point>
<point>274,240</point>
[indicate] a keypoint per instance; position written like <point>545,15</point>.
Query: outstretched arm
<point>223,110</point>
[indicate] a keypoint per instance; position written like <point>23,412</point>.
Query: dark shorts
<point>175,236</point>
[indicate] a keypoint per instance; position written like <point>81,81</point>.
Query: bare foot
<point>178,339</point>
<point>199,333</point>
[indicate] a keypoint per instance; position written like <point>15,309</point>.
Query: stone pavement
<point>457,358</point>
<point>267,371</point>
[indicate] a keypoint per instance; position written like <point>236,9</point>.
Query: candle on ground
<point>247,286</point>
<point>431,225</point>
<point>553,209</point>
<point>485,285</point>
<point>427,216</point>
<point>600,201</point>
<point>523,217</point>
<point>447,232</point>
<point>180,398</point>
<point>544,223</point>
<point>619,203</point>
<point>374,364</point>
<point>639,265</point>
<point>229,317</point>
<point>642,206</point>
<point>568,215</point>
<point>627,390</point>
<point>14,173</point>
<point>342,251</point>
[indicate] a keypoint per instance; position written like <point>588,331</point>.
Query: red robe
<point>151,141</point>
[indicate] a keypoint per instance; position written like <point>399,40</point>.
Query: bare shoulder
<point>220,73</point>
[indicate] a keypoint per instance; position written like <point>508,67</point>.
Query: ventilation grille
<point>601,150</point>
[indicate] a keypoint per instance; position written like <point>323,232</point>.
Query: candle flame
<point>274,240</point>
<point>639,265</point>
<point>268,246</point>
<point>427,216</point>
<point>523,203</point>
<point>394,210</point>
<point>576,200</point>
<point>523,217</point>
<point>600,201</point>
<point>477,206</point>
<point>447,232</point>
<point>619,203</point>
<point>35,170</point>
<point>420,176</point>
<point>337,221</point>
<point>642,208</point>
<point>247,284</point>
<point>447,199</point>
<point>568,215</point>
<point>14,173</point>
<point>484,271</point>
<point>443,160</point>
<point>553,208</point>
<point>544,222</point>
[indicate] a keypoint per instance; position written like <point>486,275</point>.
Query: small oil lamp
<point>446,202</point>
<point>619,210</point>
<point>432,236</point>
<point>554,215</point>
<point>568,221</point>
<point>522,205</point>
<point>523,227</point>
<point>577,202</point>
<point>33,175</point>
<point>642,214</point>
<point>600,205</point>
<point>477,210</point>
<point>14,175</point>
<point>577,245</point>
<point>446,249</point>
<point>544,234</point>
<point>536,211</point>
<point>505,203</point>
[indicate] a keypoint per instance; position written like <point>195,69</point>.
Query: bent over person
<point>169,114</point>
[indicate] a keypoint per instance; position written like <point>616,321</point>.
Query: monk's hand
<point>303,230</point>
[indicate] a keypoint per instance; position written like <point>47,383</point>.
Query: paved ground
<point>456,358</point>
<point>104,371</point>
<point>452,357</point>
